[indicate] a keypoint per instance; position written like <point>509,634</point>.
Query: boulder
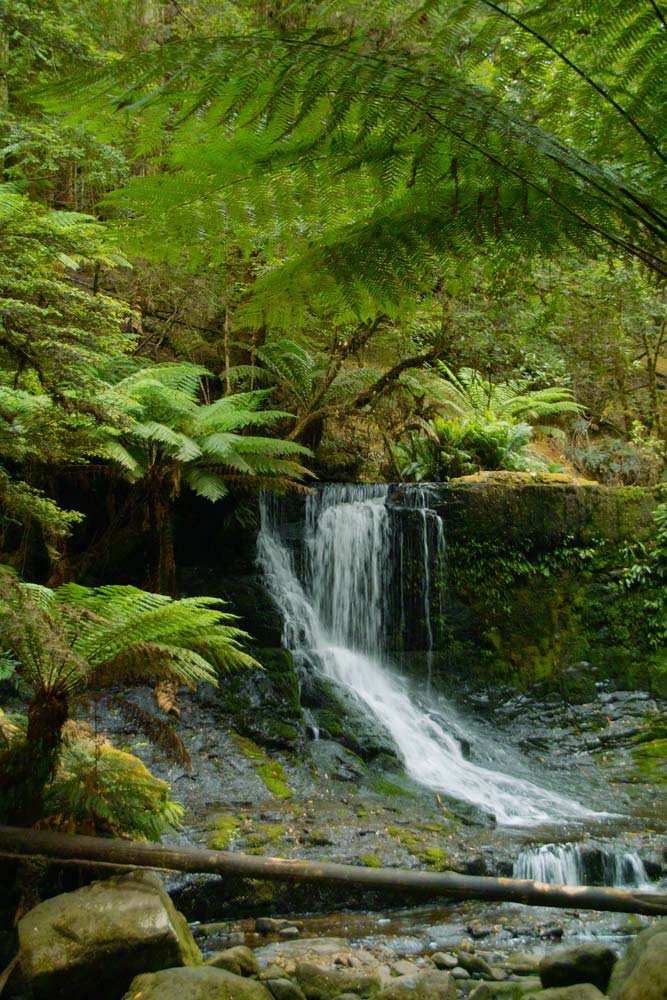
<point>105,933</point>
<point>474,964</point>
<point>435,985</point>
<point>285,989</point>
<point>444,960</point>
<point>202,983</point>
<point>642,973</point>
<point>582,991</point>
<point>588,963</point>
<point>320,982</point>
<point>239,960</point>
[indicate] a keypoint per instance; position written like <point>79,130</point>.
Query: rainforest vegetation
<point>251,244</point>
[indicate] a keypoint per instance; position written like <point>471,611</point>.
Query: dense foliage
<point>244,244</point>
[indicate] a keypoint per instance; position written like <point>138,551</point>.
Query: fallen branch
<point>449,885</point>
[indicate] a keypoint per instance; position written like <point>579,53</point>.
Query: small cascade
<point>433,554</point>
<point>573,864</point>
<point>334,592</point>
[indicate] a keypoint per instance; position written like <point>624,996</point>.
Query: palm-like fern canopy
<point>173,435</point>
<point>458,122</point>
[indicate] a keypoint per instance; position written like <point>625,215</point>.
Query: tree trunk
<point>27,768</point>
<point>448,885</point>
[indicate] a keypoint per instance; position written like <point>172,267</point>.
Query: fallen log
<point>16,841</point>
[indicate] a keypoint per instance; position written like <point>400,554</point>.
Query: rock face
<point>589,963</point>
<point>103,934</point>
<point>203,983</point>
<point>642,972</point>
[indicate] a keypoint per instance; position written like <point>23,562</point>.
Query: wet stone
<point>285,989</point>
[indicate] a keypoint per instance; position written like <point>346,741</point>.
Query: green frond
<point>103,790</point>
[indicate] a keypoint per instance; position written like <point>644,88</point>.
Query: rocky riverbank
<point>125,935</point>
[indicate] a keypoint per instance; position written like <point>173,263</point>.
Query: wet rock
<point>460,973</point>
<point>269,925</point>
<point>105,933</point>
<point>272,971</point>
<point>523,965</point>
<point>321,951</point>
<point>588,963</point>
<point>642,973</point>
<point>320,982</point>
<point>474,964</point>
<point>289,933</point>
<point>403,968</point>
<point>434,985</point>
<point>285,989</point>
<point>582,991</point>
<point>203,983</point>
<point>335,761</point>
<point>239,960</point>
<point>444,960</point>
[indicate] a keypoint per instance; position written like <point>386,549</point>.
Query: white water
<point>565,864</point>
<point>335,613</point>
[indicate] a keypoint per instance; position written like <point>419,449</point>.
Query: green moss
<point>371,860</point>
<point>383,787</point>
<point>436,859</point>
<point>247,747</point>
<point>270,833</point>
<point>651,761</point>
<point>273,776</point>
<point>224,829</point>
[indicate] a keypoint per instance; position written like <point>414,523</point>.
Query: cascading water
<point>335,604</point>
<point>571,864</point>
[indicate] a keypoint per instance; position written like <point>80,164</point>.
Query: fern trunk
<point>27,769</point>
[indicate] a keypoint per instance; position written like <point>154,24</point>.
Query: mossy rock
<point>273,775</point>
<point>105,933</point>
<point>205,983</point>
<point>223,829</point>
<point>264,704</point>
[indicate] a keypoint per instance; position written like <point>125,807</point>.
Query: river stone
<point>432,985</point>
<point>320,982</point>
<point>582,991</point>
<point>202,983</point>
<point>240,960</point>
<point>288,953</point>
<point>642,973</point>
<point>105,934</point>
<point>474,964</point>
<point>444,960</point>
<point>285,989</point>
<point>588,963</point>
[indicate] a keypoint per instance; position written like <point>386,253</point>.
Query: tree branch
<point>368,396</point>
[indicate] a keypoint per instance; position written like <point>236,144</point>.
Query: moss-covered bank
<point>548,582</point>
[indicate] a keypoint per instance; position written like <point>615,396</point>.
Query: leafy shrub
<point>618,462</point>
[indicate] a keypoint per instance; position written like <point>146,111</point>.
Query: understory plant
<point>483,425</point>
<point>74,637</point>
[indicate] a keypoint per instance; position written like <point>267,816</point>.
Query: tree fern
<point>387,156</point>
<point>74,636</point>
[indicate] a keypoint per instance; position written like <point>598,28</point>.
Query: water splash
<point>334,597</point>
<point>572,864</point>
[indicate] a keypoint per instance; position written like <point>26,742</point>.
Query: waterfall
<point>334,595</point>
<point>572,864</point>
<point>432,545</point>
